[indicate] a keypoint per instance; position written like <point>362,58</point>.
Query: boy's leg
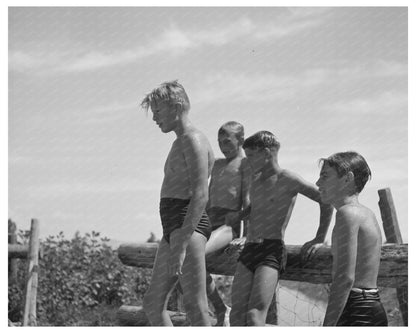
<point>264,285</point>
<point>193,281</point>
<point>161,285</point>
<point>219,239</point>
<point>240,295</point>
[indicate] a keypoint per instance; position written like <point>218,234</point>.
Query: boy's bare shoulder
<point>354,214</point>
<point>289,176</point>
<point>194,138</point>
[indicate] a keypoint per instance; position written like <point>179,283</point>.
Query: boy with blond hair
<point>184,195</point>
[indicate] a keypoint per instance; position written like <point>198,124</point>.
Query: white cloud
<point>174,40</point>
<point>389,101</point>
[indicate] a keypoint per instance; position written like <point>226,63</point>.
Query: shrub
<point>75,277</point>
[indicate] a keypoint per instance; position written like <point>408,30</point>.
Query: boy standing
<point>356,244</point>
<point>184,195</point>
<point>228,193</point>
<point>273,193</point>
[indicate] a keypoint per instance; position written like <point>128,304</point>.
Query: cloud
<point>391,102</point>
<point>251,87</point>
<point>174,40</point>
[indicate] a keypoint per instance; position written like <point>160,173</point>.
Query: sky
<point>83,156</point>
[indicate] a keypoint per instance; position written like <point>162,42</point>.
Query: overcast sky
<point>83,156</point>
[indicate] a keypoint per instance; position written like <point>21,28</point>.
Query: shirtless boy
<point>228,193</point>
<point>273,193</point>
<point>356,244</point>
<point>184,195</point>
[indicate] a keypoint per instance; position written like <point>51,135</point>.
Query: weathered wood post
<point>393,235</point>
<point>12,239</point>
<point>29,314</point>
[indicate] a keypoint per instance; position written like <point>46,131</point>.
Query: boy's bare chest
<point>270,192</point>
<point>175,162</point>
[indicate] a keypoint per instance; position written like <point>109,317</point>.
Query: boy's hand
<point>177,258</point>
<point>238,242</point>
<point>309,249</point>
<point>232,218</point>
<point>235,245</point>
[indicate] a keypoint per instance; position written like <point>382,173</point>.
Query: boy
<point>356,244</point>
<point>228,192</point>
<point>184,195</point>
<point>273,193</point>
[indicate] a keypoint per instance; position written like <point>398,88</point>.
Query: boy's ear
<point>349,176</point>
<point>268,152</point>
<point>178,107</point>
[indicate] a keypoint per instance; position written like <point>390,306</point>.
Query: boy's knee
<point>255,317</point>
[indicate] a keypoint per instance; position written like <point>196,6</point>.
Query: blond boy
<point>184,195</point>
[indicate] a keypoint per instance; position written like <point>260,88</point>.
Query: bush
<point>75,277</point>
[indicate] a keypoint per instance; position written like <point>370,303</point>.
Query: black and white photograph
<point>221,164</point>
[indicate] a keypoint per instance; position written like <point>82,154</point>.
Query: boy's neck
<point>347,200</point>
<point>270,169</point>
<point>183,126</point>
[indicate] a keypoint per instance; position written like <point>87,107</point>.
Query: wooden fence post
<point>29,314</point>
<point>393,235</point>
<point>12,239</point>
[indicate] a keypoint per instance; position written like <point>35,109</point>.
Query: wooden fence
<point>31,253</point>
<point>393,267</point>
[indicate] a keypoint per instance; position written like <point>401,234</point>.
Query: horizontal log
<point>130,315</point>
<point>21,251</point>
<point>393,267</point>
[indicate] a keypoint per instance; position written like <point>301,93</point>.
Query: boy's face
<point>164,115</point>
<point>330,184</point>
<point>229,145</point>
<point>257,158</point>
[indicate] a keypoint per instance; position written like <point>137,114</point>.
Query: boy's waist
<point>260,240</point>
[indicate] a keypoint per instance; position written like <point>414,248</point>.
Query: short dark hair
<point>345,162</point>
<point>261,140</point>
<point>234,127</point>
<point>171,92</point>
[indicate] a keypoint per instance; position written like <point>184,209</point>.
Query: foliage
<point>75,277</point>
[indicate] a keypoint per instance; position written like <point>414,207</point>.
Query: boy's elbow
<point>345,279</point>
<point>201,196</point>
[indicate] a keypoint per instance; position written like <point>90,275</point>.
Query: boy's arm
<point>311,191</point>
<point>196,160</point>
<point>245,191</point>
<point>345,253</point>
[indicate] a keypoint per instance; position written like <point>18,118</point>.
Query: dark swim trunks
<point>217,219</point>
<point>173,212</point>
<point>363,308</point>
<point>270,252</point>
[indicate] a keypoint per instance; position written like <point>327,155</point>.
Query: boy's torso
<point>272,203</point>
<point>176,182</point>
<point>226,181</point>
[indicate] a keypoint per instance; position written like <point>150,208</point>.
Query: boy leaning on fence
<point>184,195</point>
<point>356,244</point>
<point>273,193</point>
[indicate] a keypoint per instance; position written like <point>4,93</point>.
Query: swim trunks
<point>269,252</point>
<point>173,212</point>
<point>363,308</point>
<point>217,218</point>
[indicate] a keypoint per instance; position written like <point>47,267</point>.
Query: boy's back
<point>357,225</point>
